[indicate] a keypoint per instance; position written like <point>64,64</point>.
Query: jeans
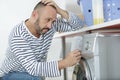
<point>20,76</point>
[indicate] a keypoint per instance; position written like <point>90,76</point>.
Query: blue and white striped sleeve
<point>26,57</point>
<point>73,23</point>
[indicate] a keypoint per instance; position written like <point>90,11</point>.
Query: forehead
<point>48,11</point>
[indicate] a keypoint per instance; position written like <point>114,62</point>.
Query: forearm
<point>61,64</point>
<point>64,14</point>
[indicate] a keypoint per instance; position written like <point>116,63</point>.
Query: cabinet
<point>111,27</point>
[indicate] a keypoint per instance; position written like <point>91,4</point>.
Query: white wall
<point>71,5</point>
<point>11,13</point>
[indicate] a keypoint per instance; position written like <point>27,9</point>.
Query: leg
<point>20,76</point>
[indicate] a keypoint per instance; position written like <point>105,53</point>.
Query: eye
<point>48,20</point>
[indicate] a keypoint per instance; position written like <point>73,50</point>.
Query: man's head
<point>43,16</point>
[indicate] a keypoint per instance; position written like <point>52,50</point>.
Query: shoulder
<point>18,29</point>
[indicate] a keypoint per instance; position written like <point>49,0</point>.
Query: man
<point>30,40</point>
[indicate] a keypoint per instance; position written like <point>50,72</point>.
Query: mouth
<point>44,30</point>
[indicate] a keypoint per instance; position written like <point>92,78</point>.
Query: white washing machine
<point>103,56</point>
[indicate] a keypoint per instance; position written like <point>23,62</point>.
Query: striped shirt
<point>26,53</point>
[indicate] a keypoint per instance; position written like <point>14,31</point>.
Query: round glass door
<point>82,71</point>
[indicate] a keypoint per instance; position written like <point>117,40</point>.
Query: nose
<point>49,25</point>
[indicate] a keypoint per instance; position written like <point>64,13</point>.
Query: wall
<point>11,13</point>
<point>72,5</point>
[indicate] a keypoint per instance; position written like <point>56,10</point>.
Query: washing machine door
<point>82,71</point>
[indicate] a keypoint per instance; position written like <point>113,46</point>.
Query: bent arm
<point>73,23</point>
<point>26,57</point>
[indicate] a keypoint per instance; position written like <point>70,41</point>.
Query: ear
<point>35,14</point>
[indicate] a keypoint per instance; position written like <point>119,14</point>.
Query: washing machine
<point>100,57</point>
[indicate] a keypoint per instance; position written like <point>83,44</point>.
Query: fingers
<point>43,1</point>
<point>47,2</point>
<point>76,51</point>
<point>77,55</point>
<point>73,57</point>
<point>52,3</point>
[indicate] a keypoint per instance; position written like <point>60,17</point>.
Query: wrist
<point>64,14</point>
<point>62,64</point>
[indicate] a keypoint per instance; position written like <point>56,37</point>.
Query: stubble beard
<point>37,27</point>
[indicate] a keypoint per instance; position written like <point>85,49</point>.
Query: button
<point>108,5</point>
<point>113,4</point>
<point>109,14</point>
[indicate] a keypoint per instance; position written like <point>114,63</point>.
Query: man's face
<point>45,19</point>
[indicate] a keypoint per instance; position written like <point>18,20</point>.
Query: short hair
<point>40,5</point>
